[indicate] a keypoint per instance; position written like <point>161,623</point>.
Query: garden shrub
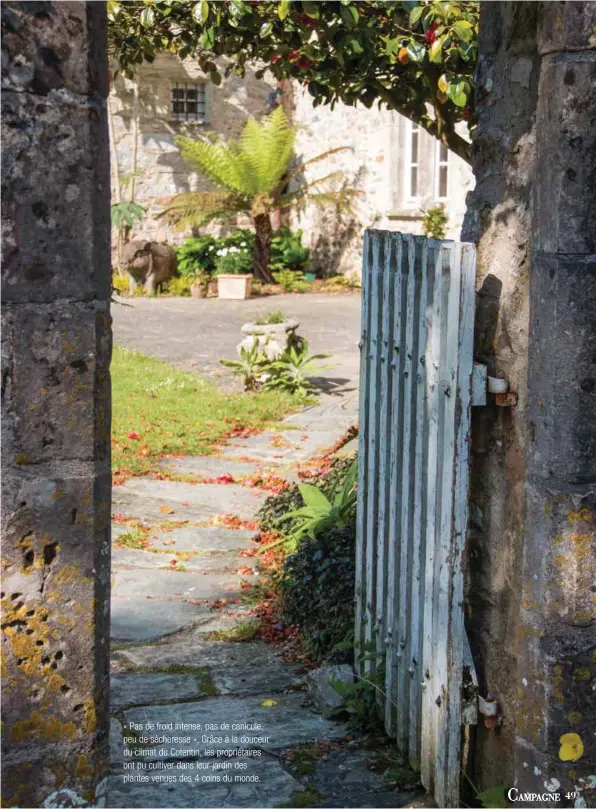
<point>318,587</point>
<point>233,253</point>
<point>119,283</point>
<point>197,254</point>
<point>318,580</point>
<point>291,281</point>
<point>435,222</point>
<point>350,280</point>
<point>287,251</point>
<point>179,286</point>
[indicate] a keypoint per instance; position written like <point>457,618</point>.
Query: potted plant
<point>200,285</point>
<point>233,269</point>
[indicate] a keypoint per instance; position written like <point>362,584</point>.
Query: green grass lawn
<point>158,410</point>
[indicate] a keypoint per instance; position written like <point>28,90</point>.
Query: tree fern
<point>250,175</point>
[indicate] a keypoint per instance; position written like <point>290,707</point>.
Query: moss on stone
<point>38,726</point>
<point>303,799</point>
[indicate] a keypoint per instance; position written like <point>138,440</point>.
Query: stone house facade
<point>398,169</point>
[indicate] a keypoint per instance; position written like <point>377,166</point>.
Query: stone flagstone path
<point>167,668</point>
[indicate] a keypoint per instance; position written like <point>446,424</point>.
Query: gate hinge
<point>482,382</point>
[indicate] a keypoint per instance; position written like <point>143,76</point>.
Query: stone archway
<point>56,404</point>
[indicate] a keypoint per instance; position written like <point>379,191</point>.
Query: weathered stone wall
<point>160,170</point>
<point>56,404</point>
<point>530,603</point>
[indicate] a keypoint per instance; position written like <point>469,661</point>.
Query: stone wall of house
<point>160,170</point>
<point>56,341</point>
<point>374,165</point>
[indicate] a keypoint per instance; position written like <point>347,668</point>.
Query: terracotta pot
<point>234,287</point>
<point>198,290</point>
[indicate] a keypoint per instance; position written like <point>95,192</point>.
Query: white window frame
<point>409,164</point>
<point>202,92</point>
<point>439,164</point>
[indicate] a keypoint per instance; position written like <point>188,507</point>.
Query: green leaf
<point>354,45</point>
<point>434,53</point>
<point>114,9</point>
<point>147,17</point>
<point>349,15</point>
<point>313,497</point>
<point>415,15</point>
<point>310,8</point>
<point>458,93</point>
<point>349,482</point>
<point>208,38</point>
<point>215,77</point>
<point>467,52</point>
<point>238,7</point>
<point>266,29</point>
<point>283,9</point>
<point>200,11</point>
<point>416,51</point>
<point>463,29</point>
<point>493,797</point>
<point>392,45</point>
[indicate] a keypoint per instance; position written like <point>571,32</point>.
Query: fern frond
<point>333,180</point>
<point>299,168</point>
<point>195,209</point>
<point>267,148</point>
<point>222,163</point>
<point>254,164</point>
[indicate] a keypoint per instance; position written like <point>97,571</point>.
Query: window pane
<point>414,147</point>
<point>443,181</point>
<point>414,181</point>
<point>191,107</point>
<point>177,92</point>
<point>178,107</point>
<point>191,94</point>
<point>443,153</point>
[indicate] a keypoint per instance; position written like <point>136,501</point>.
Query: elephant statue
<point>148,263</point>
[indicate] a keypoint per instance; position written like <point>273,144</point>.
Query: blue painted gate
<point>416,376</point>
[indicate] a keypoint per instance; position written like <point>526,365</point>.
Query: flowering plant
<point>233,261</point>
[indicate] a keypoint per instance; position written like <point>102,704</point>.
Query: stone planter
<point>234,287</point>
<point>198,290</point>
<point>272,339</point>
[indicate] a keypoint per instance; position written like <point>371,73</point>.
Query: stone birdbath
<point>272,338</point>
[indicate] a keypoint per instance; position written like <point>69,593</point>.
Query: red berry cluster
<point>431,34</point>
<point>295,58</point>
